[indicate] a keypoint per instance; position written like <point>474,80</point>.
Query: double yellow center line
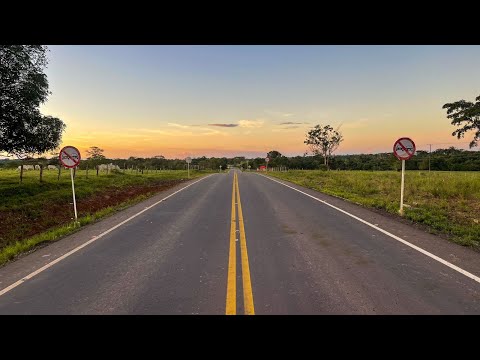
<point>231,308</point>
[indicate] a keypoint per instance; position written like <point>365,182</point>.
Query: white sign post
<point>266,161</point>
<point>404,148</point>
<point>70,158</point>
<point>188,160</point>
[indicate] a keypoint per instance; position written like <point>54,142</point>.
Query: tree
<point>273,154</point>
<point>95,153</point>
<point>467,114</point>
<point>323,140</point>
<point>23,87</point>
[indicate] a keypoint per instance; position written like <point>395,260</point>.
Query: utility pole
<point>429,156</point>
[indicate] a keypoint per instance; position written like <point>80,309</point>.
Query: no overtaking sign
<point>404,148</point>
<point>70,157</point>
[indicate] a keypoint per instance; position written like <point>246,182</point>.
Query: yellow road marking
<point>247,284</point>
<point>231,308</point>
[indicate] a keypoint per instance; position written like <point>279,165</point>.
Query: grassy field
<point>447,202</point>
<point>34,212</point>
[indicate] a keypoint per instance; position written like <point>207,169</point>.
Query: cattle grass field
<point>445,202</point>
<point>32,212</point>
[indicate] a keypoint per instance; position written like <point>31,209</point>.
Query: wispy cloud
<point>286,128</point>
<point>251,123</point>
<point>278,113</point>
<point>198,132</point>
<point>179,125</point>
<point>224,125</point>
<point>292,123</point>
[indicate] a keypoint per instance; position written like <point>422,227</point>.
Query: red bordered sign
<point>267,159</point>
<point>404,148</point>
<point>69,157</point>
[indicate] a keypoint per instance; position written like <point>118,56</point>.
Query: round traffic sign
<point>69,157</point>
<point>267,159</point>
<point>404,148</point>
<point>188,160</point>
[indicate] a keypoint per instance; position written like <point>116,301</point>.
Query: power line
<point>455,143</point>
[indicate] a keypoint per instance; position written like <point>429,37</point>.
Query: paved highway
<point>242,243</point>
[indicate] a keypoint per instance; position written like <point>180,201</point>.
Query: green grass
<point>15,195</point>
<point>11,251</point>
<point>32,213</point>
<point>446,202</point>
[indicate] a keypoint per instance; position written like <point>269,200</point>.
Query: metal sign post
<point>73,192</point>
<point>188,160</point>
<point>266,161</point>
<point>70,158</point>
<point>404,148</point>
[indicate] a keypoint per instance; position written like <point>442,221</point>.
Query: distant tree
<point>95,153</point>
<point>273,154</point>
<point>23,87</point>
<point>466,114</point>
<point>323,140</point>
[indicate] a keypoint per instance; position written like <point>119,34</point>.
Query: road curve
<point>241,243</point>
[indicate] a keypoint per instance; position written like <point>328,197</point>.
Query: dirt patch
<point>26,222</point>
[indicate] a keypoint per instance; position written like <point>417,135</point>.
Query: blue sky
<point>149,100</point>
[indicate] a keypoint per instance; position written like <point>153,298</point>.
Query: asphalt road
<point>244,244</point>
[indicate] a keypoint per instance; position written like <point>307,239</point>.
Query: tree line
<point>450,159</point>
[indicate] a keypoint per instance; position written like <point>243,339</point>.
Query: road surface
<point>242,243</point>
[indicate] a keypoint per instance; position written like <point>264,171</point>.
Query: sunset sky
<point>182,101</point>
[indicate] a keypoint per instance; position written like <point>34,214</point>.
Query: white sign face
<point>188,160</point>
<point>404,148</point>
<point>70,156</point>
<point>267,159</point>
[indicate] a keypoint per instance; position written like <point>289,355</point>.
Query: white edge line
<point>419,249</point>
<point>50,264</point>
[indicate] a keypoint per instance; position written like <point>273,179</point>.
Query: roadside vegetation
<point>33,212</point>
<point>446,202</point>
